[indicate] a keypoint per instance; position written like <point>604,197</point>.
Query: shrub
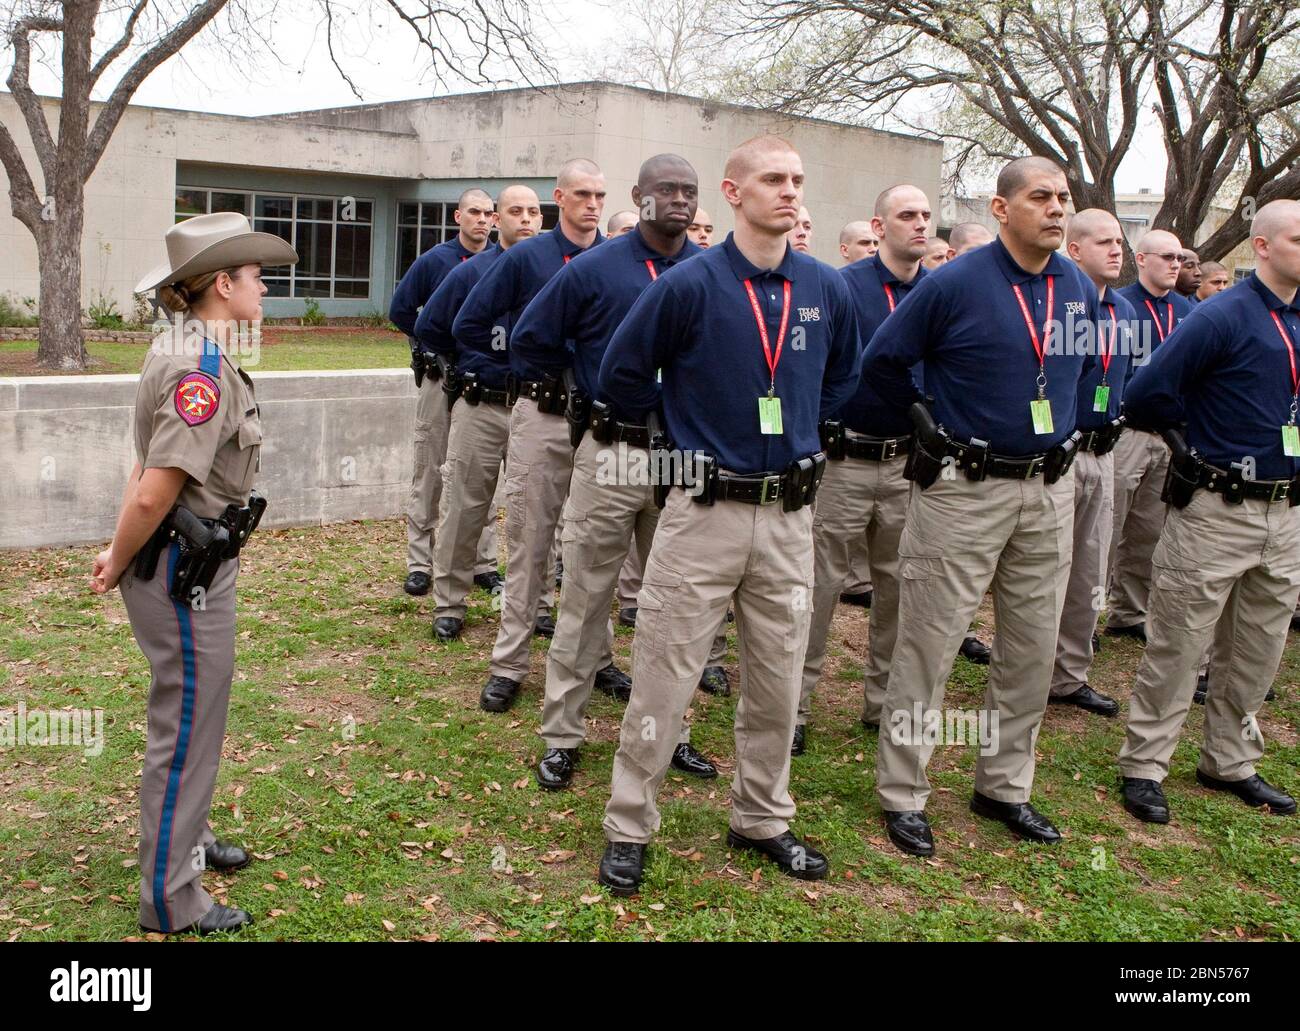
<point>103,313</point>
<point>11,311</point>
<point>311,314</point>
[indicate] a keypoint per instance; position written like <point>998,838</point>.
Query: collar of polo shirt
<point>744,269</point>
<point>1015,274</point>
<point>1271,300</point>
<point>887,276</point>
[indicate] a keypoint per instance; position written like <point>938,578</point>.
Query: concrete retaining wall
<point>338,447</point>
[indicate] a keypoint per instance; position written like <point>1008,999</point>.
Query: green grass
<point>380,802</point>
<point>281,351</point>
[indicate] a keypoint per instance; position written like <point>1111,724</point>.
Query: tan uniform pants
<point>701,556</point>
<point>1141,460</point>
<point>858,501</point>
<point>1094,501</point>
<point>1237,566</point>
<point>859,578</point>
<point>959,538</point>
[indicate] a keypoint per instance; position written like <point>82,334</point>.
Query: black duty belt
<point>605,429</point>
<point>549,394</point>
<point>1102,440</point>
<point>1234,487</point>
<point>474,394</point>
<point>970,458</point>
<point>876,449</point>
<point>794,488</point>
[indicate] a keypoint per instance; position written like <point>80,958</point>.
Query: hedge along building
<point>361,190</point>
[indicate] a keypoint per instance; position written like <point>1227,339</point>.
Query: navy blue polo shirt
<point>981,367</point>
<point>500,297</point>
<point>433,327</point>
<point>1170,310</point>
<point>866,412</point>
<point>1227,373</point>
<point>697,323</point>
<point>1117,322</point>
<point>421,279</point>
<point>572,319</point>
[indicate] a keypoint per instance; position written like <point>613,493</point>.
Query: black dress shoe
<point>1145,799</point>
<point>218,918</point>
<point>555,771</point>
<point>220,856</point>
<point>1138,631</point>
<point>1255,791</point>
<point>544,626</point>
<point>490,582</point>
<point>1088,700</point>
<point>862,598</point>
<point>498,694</point>
<point>910,831</point>
<point>1018,817</point>
<point>714,681</point>
<point>417,584</point>
<point>627,616</point>
<point>447,628</point>
<point>614,682</point>
<point>622,867</point>
<point>800,741</point>
<point>974,650</point>
<point>688,760</point>
<point>1295,621</point>
<point>793,856</point>
<point>1202,688</point>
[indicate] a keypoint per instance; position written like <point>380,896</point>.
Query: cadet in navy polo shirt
<point>479,421</point>
<point>995,329</point>
<point>540,458</point>
<point>609,509</point>
<point>474,216</point>
<point>1232,555</point>
<point>863,496</point>
<point>1095,242</point>
<point>756,342</point>
<point>1141,458</point>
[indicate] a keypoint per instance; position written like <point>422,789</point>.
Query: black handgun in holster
<point>601,422</point>
<point>1060,458</point>
<point>577,410</point>
<point>1185,472</point>
<point>929,448</point>
<point>661,471</point>
<point>554,397</point>
<point>706,467</point>
<point>831,434</point>
<point>802,478</point>
<point>417,366</point>
<point>471,389</point>
<point>203,547</point>
<point>452,381</point>
<point>242,522</point>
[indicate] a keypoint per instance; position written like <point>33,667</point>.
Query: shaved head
<point>664,166</point>
<point>472,194</point>
<point>575,169</point>
<point>854,229</point>
<point>621,222</point>
<point>1016,175</point>
<point>517,194</point>
<point>966,236</point>
<point>1158,240</point>
<point>1275,238</point>
<point>748,157</point>
<point>1212,268</point>
<point>1274,217</point>
<point>1089,224</point>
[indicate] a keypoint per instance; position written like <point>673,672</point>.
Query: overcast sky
<point>385,62</point>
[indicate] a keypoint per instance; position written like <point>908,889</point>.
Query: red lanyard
<point>1160,331</point>
<point>1040,346</point>
<point>1108,353</point>
<point>650,267</point>
<point>1290,353</point>
<point>889,296</point>
<point>762,327</point>
<point>567,257</point>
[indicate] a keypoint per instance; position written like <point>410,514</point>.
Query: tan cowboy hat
<point>209,243</point>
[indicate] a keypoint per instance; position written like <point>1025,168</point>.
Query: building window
<point>1238,274</point>
<point>425,224</point>
<point>332,236</point>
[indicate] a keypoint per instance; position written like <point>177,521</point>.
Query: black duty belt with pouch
<point>933,446</point>
<point>204,545</point>
<point>548,393</point>
<point>1102,441</point>
<point>1188,472</point>
<point>838,444</point>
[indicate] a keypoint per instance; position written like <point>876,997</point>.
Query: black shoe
<point>622,867</point>
<point>614,682</point>
<point>731,615</point>
<point>555,771</point>
<point>1138,631</point>
<point>1202,689</point>
<point>218,918</point>
<point>498,694</point>
<point>559,573</point>
<point>1018,817</point>
<point>910,831</point>
<point>862,598</point>
<point>688,760</point>
<point>1145,799</point>
<point>1271,695</point>
<point>714,681</point>
<point>974,650</point>
<point>627,616</point>
<point>1088,700</point>
<point>544,626</point>
<point>1255,791</point>
<point>220,856</point>
<point>800,741</point>
<point>1295,621</point>
<point>871,725</point>
<point>447,628</point>
<point>490,582</point>
<point>1096,643</point>
<point>417,584</point>
<point>793,856</point>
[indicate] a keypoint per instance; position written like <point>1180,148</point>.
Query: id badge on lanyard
<point>769,407</point>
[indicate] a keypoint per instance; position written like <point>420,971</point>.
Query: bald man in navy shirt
<point>755,342</point>
<point>994,329</point>
<point>1229,551</point>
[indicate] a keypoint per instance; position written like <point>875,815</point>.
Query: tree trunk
<point>59,254</point>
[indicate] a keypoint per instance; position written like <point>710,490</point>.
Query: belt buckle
<point>769,497</point>
<point>890,451</point>
<point>1281,488</point>
<point>1033,466</point>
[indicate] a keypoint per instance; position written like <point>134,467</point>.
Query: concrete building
<point>361,190</point>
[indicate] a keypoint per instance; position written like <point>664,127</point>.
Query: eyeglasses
<point>1169,258</point>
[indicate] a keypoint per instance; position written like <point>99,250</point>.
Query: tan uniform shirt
<point>197,412</point>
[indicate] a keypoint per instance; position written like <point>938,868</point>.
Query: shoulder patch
<point>197,398</point>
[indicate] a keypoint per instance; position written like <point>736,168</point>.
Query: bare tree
<point>665,45</point>
<point>1067,80</point>
<point>463,38</point>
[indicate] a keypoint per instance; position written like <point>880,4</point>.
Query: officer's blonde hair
<point>182,296</point>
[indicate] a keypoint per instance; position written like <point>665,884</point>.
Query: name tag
<point>1041,412</point>
<point>1291,441</point>
<point>769,415</point>
<point>1101,399</point>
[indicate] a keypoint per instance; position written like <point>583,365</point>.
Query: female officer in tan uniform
<point>197,436</point>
